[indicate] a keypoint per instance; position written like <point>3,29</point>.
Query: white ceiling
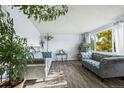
<point>81,19</point>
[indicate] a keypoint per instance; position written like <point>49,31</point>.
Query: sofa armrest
<point>112,60</point>
<point>111,67</point>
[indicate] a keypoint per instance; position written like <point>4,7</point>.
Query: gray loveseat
<point>104,65</point>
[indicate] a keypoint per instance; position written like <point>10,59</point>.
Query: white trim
<point>102,28</point>
<point>113,40</point>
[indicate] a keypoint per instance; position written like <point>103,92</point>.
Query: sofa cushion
<point>92,62</point>
<point>86,55</point>
<point>99,56</point>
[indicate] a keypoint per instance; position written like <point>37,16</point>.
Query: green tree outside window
<point>104,41</point>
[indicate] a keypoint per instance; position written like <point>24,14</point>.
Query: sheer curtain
<point>118,29</point>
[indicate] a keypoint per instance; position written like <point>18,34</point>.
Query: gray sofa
<point>104,65</point>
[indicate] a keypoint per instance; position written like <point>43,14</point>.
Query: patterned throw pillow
<point>86,55</point>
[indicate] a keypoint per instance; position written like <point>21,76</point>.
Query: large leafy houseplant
<point>14,53</point>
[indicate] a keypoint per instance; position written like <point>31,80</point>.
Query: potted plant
<point>46,38</point>
<point>61,51</point>
<point>14,53</point>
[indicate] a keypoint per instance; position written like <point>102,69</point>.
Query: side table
<point>63,56</point>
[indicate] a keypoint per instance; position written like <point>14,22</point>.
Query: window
<point>104,41</point>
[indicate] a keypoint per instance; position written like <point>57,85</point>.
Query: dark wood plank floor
<point>79,77</point>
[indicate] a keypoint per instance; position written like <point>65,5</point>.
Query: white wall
<point>24,26</point>
<point>67,34</point>
<point>68,42</point>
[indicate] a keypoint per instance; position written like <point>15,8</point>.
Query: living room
<point>70,36</point>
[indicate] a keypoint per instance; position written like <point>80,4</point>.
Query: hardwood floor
<point>79,77</point>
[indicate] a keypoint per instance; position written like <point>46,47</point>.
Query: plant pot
<point>21,85</point>
<point>11,84</point>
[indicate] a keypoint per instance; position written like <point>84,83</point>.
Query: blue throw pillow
<point>47,54</point>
